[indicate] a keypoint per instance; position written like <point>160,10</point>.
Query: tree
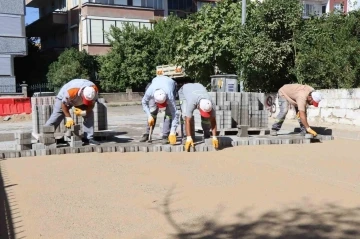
<point>71,64</point>
<point>265,46</point>
<point>205,37</point>
<point>130,62</point>
<point>329,51</point>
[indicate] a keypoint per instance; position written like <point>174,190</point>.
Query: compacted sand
<point>252,192</point>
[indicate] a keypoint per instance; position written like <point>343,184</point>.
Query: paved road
<point>251,192</point>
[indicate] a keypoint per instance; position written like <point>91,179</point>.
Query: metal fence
<point>40,87</point>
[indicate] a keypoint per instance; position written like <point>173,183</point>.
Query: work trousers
<point>58,115</point>
<point>284,108</point>
<point>205,122</point>
<point>154,110</point>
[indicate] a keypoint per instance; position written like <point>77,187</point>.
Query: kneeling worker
<point>82,95</point>
<point>299,96</point>
<point>195,96</point>
<point>160,94</point>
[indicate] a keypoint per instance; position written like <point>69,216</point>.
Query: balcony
<point>50,23</point>
<point>35,3</point>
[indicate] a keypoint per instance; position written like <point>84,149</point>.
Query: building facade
<point>13,42</point>
<point>85,23</point>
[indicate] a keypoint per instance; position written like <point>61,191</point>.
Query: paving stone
<point>26,153</point>
<point>1,155</point>
<point>296,141</point>
<point>74,150</point>
<point>306,141</point>
<point>40,152</point>
<point>53,151</point>
<point>14,155</point>
<point>166,148</point>
<point>264,141</point>
<point>243,141</point>
<point>23,141</point>
<point>99,149</point>
<point>68,133</point>
<point>275,141</point>
<point>47,140</point>
<point>88,149</point>
<point>75,127</point>
<point>60,151</point>
<point>51,146</point>
<point>327,137</point>
<point>48,129</point>
<point>178,148</point>
<point>48,151</point>
<point>309,136</point>
<point>254,142</point>
<point>68,150</point>
<point>22,135</point>
<point>6,155</point>
<point>144,149</point>
<point>23,147</point>
<point>76,143</point>
<point>120,149</point>
<point>157,148</point>
<point>286,141</point>
<point>243,131</point>
<point>235,143</point>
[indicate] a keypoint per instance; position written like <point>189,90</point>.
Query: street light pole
<point>243,19</point>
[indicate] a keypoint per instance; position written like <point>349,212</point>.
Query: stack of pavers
<point>46,139</point>
<point>42,108</point>
<point>23,140</point>
<point>72,136</point>
<point>239,108</point>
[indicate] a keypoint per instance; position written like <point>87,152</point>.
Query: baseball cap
<point>160,98</point>
<point>316,96</point>
<point>205,108</point>
<point>88,95</point>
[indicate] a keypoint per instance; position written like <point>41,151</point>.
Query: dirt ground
<point>252,192</point>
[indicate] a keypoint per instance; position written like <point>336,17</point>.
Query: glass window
<point>97,31</point>
<point>120,2</point>
<point>137,3</point>
<point>107,25</point>
<point>75,3</point>
<point>75,36</point>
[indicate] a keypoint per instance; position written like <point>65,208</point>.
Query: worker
<point>195,96</point>
<point>161,94</point>
<point>81,94</point>
<point>298,96</point>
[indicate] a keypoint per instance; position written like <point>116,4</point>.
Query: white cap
<point>205,107</point>
<point>316,96</point>
<point>89,93</point>
<point>159,96</point>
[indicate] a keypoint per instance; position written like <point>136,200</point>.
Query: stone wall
<point>339,106</point>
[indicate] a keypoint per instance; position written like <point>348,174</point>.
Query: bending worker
<point>82,95</point>
<point>299,96</point>
<point>195,96</point>
<point>161,94</point>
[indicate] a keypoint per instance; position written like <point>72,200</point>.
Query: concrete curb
<point>202,147</point>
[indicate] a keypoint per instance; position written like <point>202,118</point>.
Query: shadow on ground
<point>319,130</point>
<point>6,223</point>
<point>302,222</point>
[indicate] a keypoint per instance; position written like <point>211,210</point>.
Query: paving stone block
<point>26,153</point>
<point>306,141</point>
<point>74,150</point>
<point>157,148</point>
<point>6,155</point>
<point>275,141</point>
<point>75,127</point>
<point>47,140</point>
<point>22,135</point>
<point>264,141</point>
<point>120,149</point>
<point>144,149</point>
<point>53,151</point>
<point>40,152</point>
<point>14,154</point>
<point>297,141</point>
<point>1,155</point>
<point>76,143</point>
<point>48,129</point>
<point>68,150</point>
<point>68,133</point>
<point>48,151</point>
<point>99,149</point>
<point>178,148</point>
<point>286,141</point>
<point>235,143</point>
<point>254,142</point>
<point>166,148</point>
<point>309,136</point>
<point>60,151</point>
<point>243,130</point>
<point>23,147</point>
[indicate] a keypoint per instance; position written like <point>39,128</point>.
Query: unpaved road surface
<point>252,192</point>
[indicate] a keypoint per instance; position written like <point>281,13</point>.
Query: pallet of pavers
<point>42,108</point>
<point>27,146</point>
<point>239,108</point>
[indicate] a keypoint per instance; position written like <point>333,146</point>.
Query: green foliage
<point>329,52</point>
<point>71,64</point>
<point>265,47</point>
<point>204,40</point>
<point>130,62</point>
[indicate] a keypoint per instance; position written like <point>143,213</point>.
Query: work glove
<point>151,121</point>
<point>215,142</point>
<point>69,122</point>
<point>189,142</point>
<point>79,112</point>
<point>172,138</point>
<point>298,115</point>
<point>310,131</point>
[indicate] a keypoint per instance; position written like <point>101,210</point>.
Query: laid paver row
<point>202,147</point>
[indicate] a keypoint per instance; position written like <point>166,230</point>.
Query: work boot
<point>91,142</point>
<point>165,140</point>
<point>144,138</point>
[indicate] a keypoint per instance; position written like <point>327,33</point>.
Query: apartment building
<point>12,41</point>
<point>85,23</point>
<point>318,7</point>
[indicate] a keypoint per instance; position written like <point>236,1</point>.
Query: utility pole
<point>243,19</point>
